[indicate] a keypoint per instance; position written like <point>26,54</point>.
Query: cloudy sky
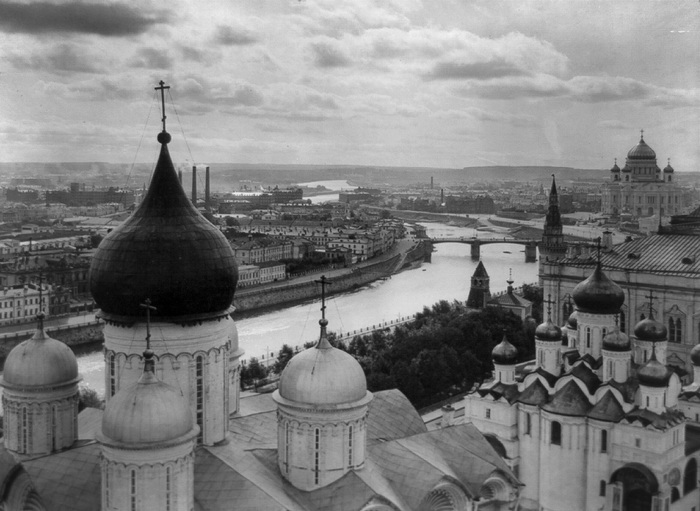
<point>441,83</point>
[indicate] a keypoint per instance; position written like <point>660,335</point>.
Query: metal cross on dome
<point>651,302</point>
<point>147,305</point>
<point>549,303</point>
<point>324,282</point>
<point>162,90</point>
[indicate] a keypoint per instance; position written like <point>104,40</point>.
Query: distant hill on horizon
<point>116,174</point>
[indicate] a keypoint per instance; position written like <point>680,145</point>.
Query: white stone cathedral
<point>595,422</point>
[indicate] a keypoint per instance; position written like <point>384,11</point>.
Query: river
<point>446,278</point>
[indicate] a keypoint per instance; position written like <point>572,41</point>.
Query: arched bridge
<point>530,245</point>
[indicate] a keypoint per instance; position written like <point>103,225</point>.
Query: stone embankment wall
<point>257,298</point>
<point>72,335</point>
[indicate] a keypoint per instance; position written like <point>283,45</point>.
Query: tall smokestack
<point>442,195</point>
<point>194,185</point>
<point>206,190</point>
<point>431,182</point>
<point>179,176</point>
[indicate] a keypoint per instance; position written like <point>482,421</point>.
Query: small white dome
<point>40,362</point>
<point>147,412</point>
<point>323,375</point>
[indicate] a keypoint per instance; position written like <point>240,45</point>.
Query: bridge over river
<point>530,245</point>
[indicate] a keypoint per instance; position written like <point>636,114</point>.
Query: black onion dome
<point>548,331</point>
<point>504,353</point>
<point>166,251</point>
<point>668,169</point>
<point>616,341</point>
<point>641,152</point>
<point>572,322</point>
<point>650,330</point>
<point>653,373</point>
<point>598,294</point>
<point>695,355</point>
<point>615,168</point>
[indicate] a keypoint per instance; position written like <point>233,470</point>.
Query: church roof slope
<point>238,477</point>
<point>445,449</point>
<point>586,376</point>
<point>258,430</point>
<point>535,394</point>
<point>660,421</point>
<point>391,415</point>
<point>70,479</point>
<point>607,409</point>
<point>658,253</point>
<point>569,400</point>
<point>510,299</point>
<point>509,392</point>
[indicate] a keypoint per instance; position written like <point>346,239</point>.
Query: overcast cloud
<point>369,82</point>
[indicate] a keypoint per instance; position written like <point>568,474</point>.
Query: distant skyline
<point>449,83</point>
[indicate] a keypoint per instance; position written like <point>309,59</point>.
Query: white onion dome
<point>323,376</point>
<point>40,362</point>
<point>695,355</point>
<point>650,330</point>
<point>641,152</point>
<point>598,294</point>
<point>166,251</point>
<point>147,413</point>
<point>548,331</point>
<point>572,322</point>
<point>616,341</point>
<point>504,353</point>
<point>653,373</point>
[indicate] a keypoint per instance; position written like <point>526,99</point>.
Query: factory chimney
<point>194,185</point>
<point>206,191</point>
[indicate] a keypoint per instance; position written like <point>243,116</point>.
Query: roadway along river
<point>446,278</point>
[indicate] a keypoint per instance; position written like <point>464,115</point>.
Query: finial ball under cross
<point>163,137</point>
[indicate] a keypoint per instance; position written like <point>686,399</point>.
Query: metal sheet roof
<point>658,253</point>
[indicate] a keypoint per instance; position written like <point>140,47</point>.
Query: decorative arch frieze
<point>445,496</point>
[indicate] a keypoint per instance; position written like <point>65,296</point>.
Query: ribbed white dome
<point>147,412</point>
<point>40,362</point>
<point>323,375</point>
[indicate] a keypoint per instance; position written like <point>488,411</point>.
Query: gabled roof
<point>627,389</point>
<point>535,394</point>
<point>662,421</point>
<point>501,390</point>
<point>571,356</point>
<point>551,379</point>
<point>569,400</point>
<point>586,376</point>
<point>593,363</point>
<point>607,409</point>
